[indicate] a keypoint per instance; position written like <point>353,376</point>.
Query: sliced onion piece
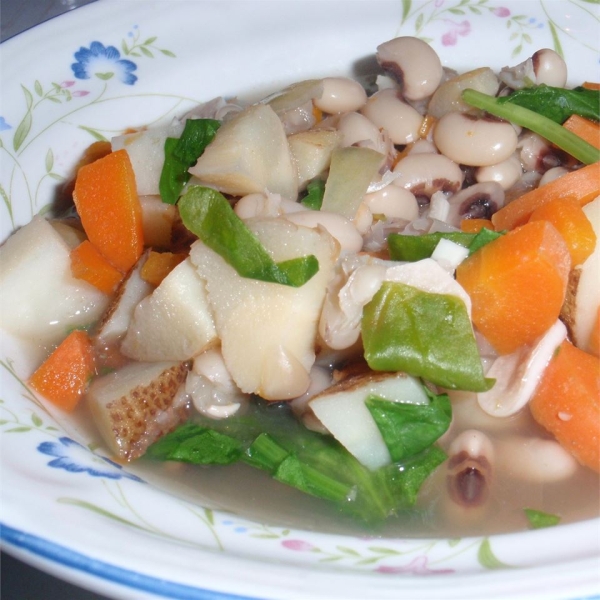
<point>518,374</point>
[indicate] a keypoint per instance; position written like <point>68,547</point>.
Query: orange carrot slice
<point>159,265</point>
<point>88,264</point>
<point>63,377</point>
<point>590,85</point>
<point>517,284</point>
<point>107,202</point>
<point>475,225</point>
<point>571,222</point>
<point>567,403</point>
<point>585,128</point>
<point>582,185</point>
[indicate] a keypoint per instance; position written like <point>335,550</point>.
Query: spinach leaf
<point>423,334</point>
<point>556,103</point>
<point>539,519</point>
<point>182,153</point>
<point>207,214</point>
<point>315,192</point>
<point>270,438</point>
<point>408,429</point>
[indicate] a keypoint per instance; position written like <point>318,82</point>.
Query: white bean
<point>340,95</point>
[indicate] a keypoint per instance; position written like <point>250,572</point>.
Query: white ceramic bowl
<point>111,65</point>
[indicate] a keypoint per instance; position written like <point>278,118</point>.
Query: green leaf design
<point>487,558</point>
<point>18,430</point>
<point>37,86</point>
<point>94,133</point>
<point>49,163</point>
<point>100,511</point>
<point>406,4</point>
<point>36,420</point>
<point>346,550</point>
<point>124,47</point>
<point>105,76</point>
<point>24,126</point>
<point>146,52</point>
<point>555,39</point>
<point>168,53</point>
<point>382,550</point>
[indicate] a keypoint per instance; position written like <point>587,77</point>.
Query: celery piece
<point>553,132</point>
<point>207,214</point>
<point>423,334</point>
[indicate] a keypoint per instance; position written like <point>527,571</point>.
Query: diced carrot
<point>88,264</point>
<point>106,199</point>
<point>594,344</point>
<point>590,85</point>
<point>517,284</point>
<point>582,185</point>
<point>585,128</point>
<point>571,222</point>
<point>567,403</point>
<point>475,225</point>
<point>63,377</point>
<point>159,265</point>
<point>317,114</point>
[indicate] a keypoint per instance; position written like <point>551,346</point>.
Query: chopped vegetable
<point>206,213</point>
<point>582,185</point>
<point>571,222</point>
<point>547,128</point>
<point>567,403</point>
<point>88,264</point>
<point>314,197</point>
<point>64,376</point>
<point>107,202</point>
<point>271,439</point>
<point>425,335</point>
<point>182,153</point>
<point>417,247</point>
<point>585,128</point>
<point>557,103</point>
<point>408,429</point>
<point>159,265</point>
<point>539,519</point>
<point>475,225</point>
<point>505,278</point>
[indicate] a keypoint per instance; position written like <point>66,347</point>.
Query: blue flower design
<point>75,458</point>
<point>4,125</point>
<point>104,63</point>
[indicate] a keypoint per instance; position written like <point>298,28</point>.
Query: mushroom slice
<point>518,374</point>
<point>581,307</point>
<point>211,387</point>
<point>268,330</point>
<point>249,153</point>
<point>136,405</point>
<point>342,410</point>
<point>131,291</point>
<point>173,323</point>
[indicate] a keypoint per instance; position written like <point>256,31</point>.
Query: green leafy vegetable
<point>315,192</point>
<point>553,132</point>
<point>197,445</point>
<point>538,519</point>
<point>425,335</point>
<point>207,214</point>
<point>270,438</point>
<point>557,103</point>
<point>417,247</point>
<point>408,429</point>
<point>181,154</point>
